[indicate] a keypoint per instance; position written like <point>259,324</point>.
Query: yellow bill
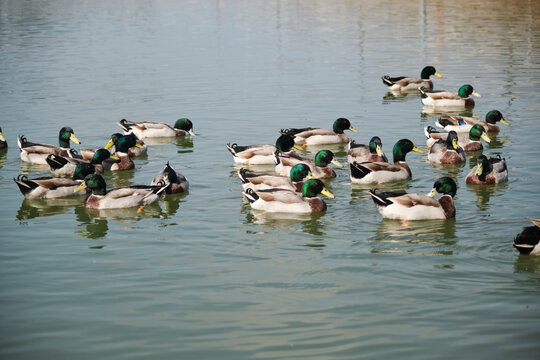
<point>353,129</point>
<point>80,187</point>
<point>505,122</point>
<point>415,149</point>
<point>337,163</point>
<point>109,144</point>
<point>433,192</point>
<point>437,74</point>
<point>327,193</point>
<point>476,94</point>
<point>73,138</point>
<point>298,147</point>
<point>485,137</point>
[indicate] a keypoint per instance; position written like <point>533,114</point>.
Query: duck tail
<point>277,160</point>
<point>379,200</point>
<point>232,148</point>
<point>423,92</point>
<point>243,176</point>
<point>526,240</point>
<point>55,162</point>
<point>428,130</point>
<point>443,122</point>
<point>251,195</point>
<point>124,124</point>
<point>25,185</point>
<point>386,80</point>
<point>21,141</point>
<point>358,171</point>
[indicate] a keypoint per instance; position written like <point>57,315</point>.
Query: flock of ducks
<point>78,172</point>
<point>369,165</point>
<point>296,182</point>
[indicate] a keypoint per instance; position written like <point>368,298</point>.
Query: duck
<point>65,166</point>
<point>168,175</point>
<point>471,142</point>
<point>488,171</point>
<point>381,172</point>
<point>289,201</point>
<point>409,83</point>
<point>298,174</point>
<point>139,149</point>
<point>123,197</point>
<point>150,129</point>
<point>37,153</point>
<point>122,152</point>
<point>362,153</point>
<point>403,206</point>
<point>464,123</point>
<point>3,141</point>
<point>527,242</point>
<point>54,187</point>
<point>447,151</point>
<point>263,154</point>
<point>318,165</point>
<point>449,99</point>
<point>319,136</point>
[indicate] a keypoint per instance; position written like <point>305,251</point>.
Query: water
<point>202,276</point>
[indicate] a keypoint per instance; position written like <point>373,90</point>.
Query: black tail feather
<point>56,162</point>
<point>358,171</point>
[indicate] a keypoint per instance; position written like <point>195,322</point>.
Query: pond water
<point>203,276</point>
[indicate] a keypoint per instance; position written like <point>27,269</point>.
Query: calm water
<point>202,276</point>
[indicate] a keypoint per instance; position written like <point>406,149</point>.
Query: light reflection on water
<point>203,275</point>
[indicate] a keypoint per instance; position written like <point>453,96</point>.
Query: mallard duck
<point>318,136</point>
<point>408,83</point>
<point>289,201</point>
<point>3,142</point>
<point>263,154</point>
<point>528,241</point>
<point>488,171</point>
<point>37,153</point>
<point>148,129</point>
<point>168,175</point>
<point>139,149</point>
<point>318,165</point>
<point>469,142</point>
<point>122,152</point>
<point>124,197</point>
<point>362,153</point>
<point>405,206</point>
<point>449,99</point>
<point>464,123</point>
<point>382,172</point>
<point>53,187</point>
<point>298,174</point>
<point>447,151</point>
<point>65,166</point>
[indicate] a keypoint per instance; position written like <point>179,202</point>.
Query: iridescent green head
<point>184,124</point>
<point>495,115</point>
<point>324,157</point>
<point>314,187</point>
<point>428,71</point>
<point>285,143</point>
<point>300,172</point>
<point>94,182</point>
<point>477,132</point>
<point>65,135</point>
<point>402,147</point>
<point>82,170</point>
<point>99,156</point>
<point>452,141</point>
<point>342,124</point>
<point>466,91</point>
<point>483,167</point>
<point>124,143</point>
<point>444,185</point>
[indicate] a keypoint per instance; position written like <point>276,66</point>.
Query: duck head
<point>444,185</point>
<point>95,183</point>
<point>402,147</point>
<point>65,135</point>
<point>324,157</point>
<point>467,90</point>
<point>342,124</point>
<point>314,187</point>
